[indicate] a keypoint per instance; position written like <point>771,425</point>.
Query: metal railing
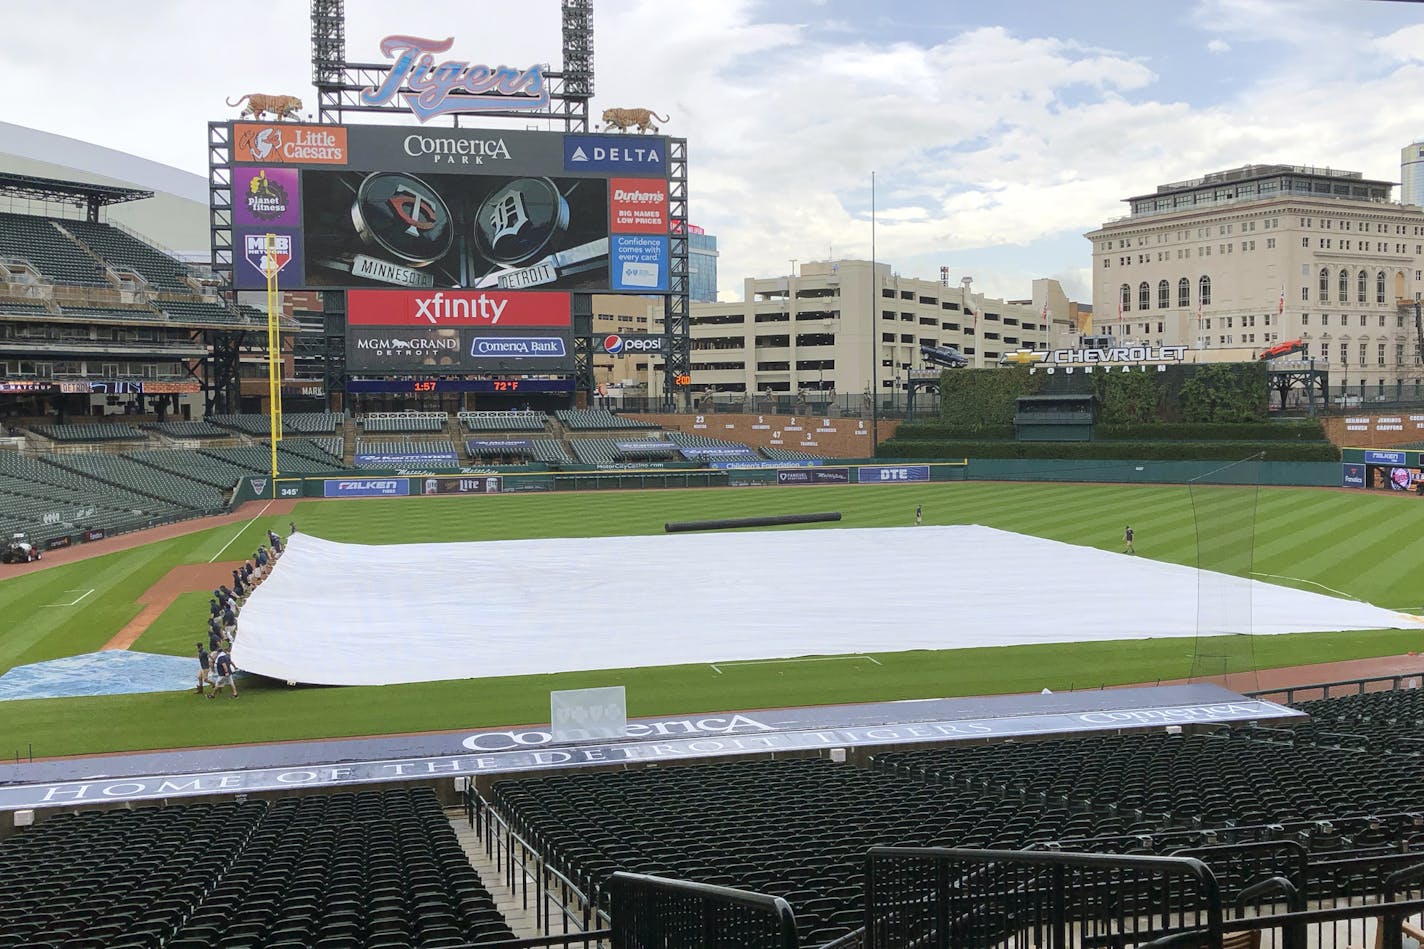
<point>555,899</point>
<point>1324,690</point>
<point>953,898</point>
<point>810,404</point>
<point>651,912</point>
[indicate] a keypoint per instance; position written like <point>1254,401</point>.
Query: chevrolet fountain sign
<point>1111,359</point>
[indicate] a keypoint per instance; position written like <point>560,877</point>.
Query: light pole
<point>874,343</point>
<point>964,297</point>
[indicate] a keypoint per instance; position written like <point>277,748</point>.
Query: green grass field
<point>1360,545</point>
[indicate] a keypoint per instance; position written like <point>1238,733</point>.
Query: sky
<point>997,134</point>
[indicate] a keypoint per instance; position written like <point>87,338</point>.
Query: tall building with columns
<point>1262,254</point>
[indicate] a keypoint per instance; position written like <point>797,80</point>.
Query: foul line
<point>1277,576</point>
<point>244,527</point>
<point>759,662</point>
<point>74,602</point>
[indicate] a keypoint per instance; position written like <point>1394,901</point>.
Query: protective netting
<point>1224,516</point>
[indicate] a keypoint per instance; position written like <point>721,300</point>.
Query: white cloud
<point>980,138</point>
<point>1406,44</point>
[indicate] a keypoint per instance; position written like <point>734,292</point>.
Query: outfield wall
<point>820,472</point>
<point>1317,474</point>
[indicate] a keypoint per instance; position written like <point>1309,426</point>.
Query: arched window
<point>1124,295</point>
<point>1164,295</point>
<point>1324,285</point>
<point>1204,291</point>
<point>1184,292</point>
<point>1379,287</point>
<point>1361,283</point>
<point>1344,285</point>
<point>1144,296</point>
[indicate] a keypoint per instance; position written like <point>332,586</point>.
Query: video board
<point>449,208</point>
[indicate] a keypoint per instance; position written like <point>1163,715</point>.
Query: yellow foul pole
<point>274,354</point>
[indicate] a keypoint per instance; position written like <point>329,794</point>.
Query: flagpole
<point>874,345</point>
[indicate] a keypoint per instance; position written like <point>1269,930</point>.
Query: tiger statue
<point>623,119</point>
<point>259,104</point>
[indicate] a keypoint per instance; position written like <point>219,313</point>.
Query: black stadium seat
<point>355,869</point>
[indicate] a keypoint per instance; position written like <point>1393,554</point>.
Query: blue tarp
<point>115,672</point>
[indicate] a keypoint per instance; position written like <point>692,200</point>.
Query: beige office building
<point>834,325</point>
<point>1264,254</point>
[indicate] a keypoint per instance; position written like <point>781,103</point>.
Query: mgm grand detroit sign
<point>1104,359</point>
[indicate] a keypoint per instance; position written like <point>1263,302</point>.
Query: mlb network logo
<point>265,259</point>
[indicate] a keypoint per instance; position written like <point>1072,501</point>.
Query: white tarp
<point>349,614</point>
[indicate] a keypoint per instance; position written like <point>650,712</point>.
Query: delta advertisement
<point>439,332</point>
<point>372,206</point>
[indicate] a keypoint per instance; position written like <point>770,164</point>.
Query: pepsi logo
<point>614,344</point>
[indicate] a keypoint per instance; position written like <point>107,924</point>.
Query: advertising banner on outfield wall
<point>813,476</point>
<point>891,474</point>
<point>488,484</point>
<point>797,463</point>
<point>1394,478</point>
<point>366,488</point>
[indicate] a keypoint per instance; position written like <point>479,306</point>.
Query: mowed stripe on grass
<point>1347,541</point>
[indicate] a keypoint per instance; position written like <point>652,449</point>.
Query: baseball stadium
<point>341,607</point>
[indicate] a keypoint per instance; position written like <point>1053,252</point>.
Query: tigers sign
<point>283,143</point>
<point>430,89</point>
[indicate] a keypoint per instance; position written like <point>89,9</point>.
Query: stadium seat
<point>345,869</point>
<point>597,419</point>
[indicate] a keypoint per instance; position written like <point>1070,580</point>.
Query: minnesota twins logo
<point>412,210</point>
